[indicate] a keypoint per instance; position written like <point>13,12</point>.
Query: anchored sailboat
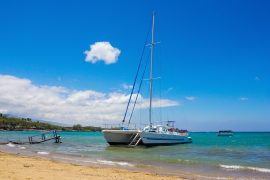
<point>151,134</point>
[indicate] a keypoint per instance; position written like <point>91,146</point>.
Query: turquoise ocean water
<point>244,155</point>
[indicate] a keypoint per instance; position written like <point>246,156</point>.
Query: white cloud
<point>158,103</point>
<point>21,97</point>
<point>190,98</point>
<point>127,86</point>
<point>243,98</point>
<point>102,51</point>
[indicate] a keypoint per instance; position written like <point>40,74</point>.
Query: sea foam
<point>237,167</point>
<point>43,153</point>
<point>115,163</point>
<point>11,145</point>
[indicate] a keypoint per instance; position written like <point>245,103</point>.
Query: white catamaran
<point>152,134</point>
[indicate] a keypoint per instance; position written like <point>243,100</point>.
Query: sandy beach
<point>22,167</point>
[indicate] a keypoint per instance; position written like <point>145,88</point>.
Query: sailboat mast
<point>151,70</point>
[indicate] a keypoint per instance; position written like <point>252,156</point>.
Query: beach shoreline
<point>201,160</point>
<point>17,166</point>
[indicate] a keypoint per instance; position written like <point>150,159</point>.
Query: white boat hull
<point>117,137</point>
<point>151,139</point>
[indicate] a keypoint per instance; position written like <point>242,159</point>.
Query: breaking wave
<point>237,167</point>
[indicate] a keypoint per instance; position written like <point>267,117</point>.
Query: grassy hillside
<point>18,124</point>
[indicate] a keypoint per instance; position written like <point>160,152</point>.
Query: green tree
<point>77,127</point>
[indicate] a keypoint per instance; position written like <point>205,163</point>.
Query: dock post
<point>43,137</point>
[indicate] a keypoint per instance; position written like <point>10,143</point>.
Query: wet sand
<point>22,167</point>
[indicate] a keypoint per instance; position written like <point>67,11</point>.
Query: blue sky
<point>213,57</point>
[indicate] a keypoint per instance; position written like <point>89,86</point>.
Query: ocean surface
<point>244,155</point>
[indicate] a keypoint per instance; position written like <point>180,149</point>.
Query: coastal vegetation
<point>18,124</point>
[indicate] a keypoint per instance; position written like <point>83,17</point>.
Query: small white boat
<point>152,134</point>
<point>225,133</point>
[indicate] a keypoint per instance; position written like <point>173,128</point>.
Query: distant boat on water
<point>225,133</point>
<point>152,134</point>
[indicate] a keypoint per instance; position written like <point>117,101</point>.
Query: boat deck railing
<point>123,126</point>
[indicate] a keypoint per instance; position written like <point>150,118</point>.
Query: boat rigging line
<point>138,92</point>
<point>136,76</point>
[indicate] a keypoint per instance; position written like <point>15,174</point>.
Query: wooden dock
<point>48,136</point>
<point>40,138</point>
